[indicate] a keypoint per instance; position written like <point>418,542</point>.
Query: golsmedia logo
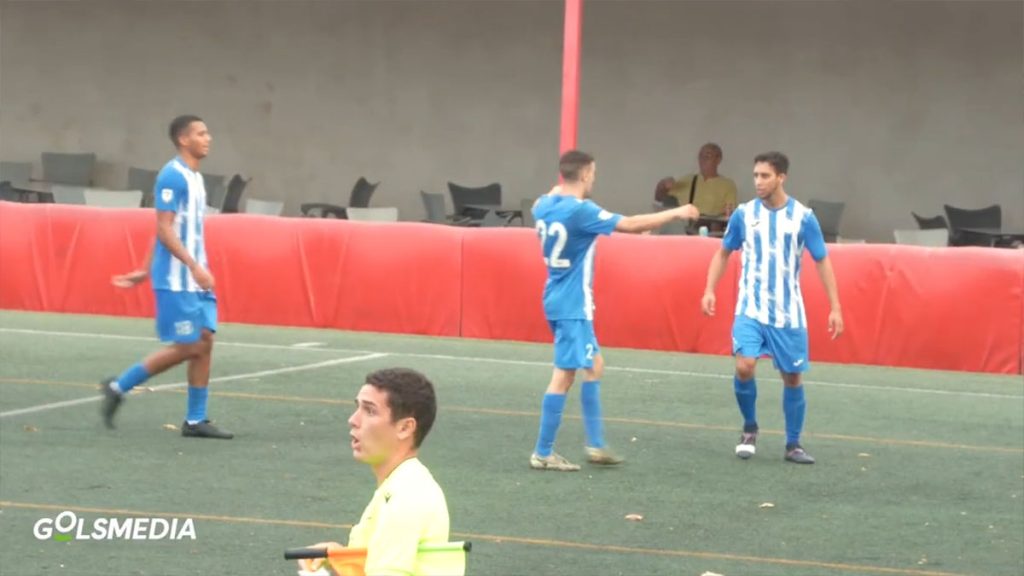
<point>67,526</point>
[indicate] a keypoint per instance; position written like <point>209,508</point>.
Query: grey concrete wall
<point>889,106</point>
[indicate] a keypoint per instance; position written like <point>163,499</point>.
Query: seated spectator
<point>712,193</point>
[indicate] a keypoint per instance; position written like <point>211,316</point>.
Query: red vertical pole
<point>571,73</point>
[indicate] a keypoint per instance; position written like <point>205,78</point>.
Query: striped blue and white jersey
<point>568,230</point>
<point>180,190</point>
<point>773,242</point>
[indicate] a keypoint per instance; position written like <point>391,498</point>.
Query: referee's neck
<point>385,468</point>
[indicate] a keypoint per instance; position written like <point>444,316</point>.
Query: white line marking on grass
<point>308,344</point>
<point>246,376</point>
<point>152,339</point>
<point>715,375</point>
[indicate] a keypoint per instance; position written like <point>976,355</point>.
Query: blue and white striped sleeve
<point>170,192</point>
<point>813,238</point>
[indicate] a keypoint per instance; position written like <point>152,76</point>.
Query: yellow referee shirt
<point>408,509</point>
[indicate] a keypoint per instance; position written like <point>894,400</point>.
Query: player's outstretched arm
<point>138,275</point>
<point>715,271</point>
<point>646,222</point>
<point>828,279</point>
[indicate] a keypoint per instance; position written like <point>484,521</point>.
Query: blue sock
<point>550,419</point>
<point>590,397</point>
<point>196,404</point>
<point>130,378</point>
<point>746,397</point>
<point>793,406</point>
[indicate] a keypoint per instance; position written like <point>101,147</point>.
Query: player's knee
<point>790,380</point>
<point>561,381</point>
<point>745,368</point>
<point>206,340</point>
<point>596,372</point>
<point>199,348</point>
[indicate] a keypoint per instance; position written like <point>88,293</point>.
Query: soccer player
<point>394,412</point>
<point>773,231</point>
<point>186,308</point>
<point>568,224</point>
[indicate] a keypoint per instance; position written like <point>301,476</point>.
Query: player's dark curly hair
<point>778,161</point>
<point>410,394</point>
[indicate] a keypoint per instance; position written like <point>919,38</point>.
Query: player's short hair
<point>179,125</point>
<point>572,162</point>
<point>715,147</point>
<point>778,161</point>
<point>410,394</point>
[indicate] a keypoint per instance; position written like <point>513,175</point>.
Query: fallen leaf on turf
<point>31,428</point>
<point>635,517</point>
<point>170,427</point>
<point>864,455</point>
<point>767,505</point>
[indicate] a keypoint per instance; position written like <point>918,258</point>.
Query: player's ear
<point>406,428</point>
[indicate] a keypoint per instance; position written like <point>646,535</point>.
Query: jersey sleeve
<point>734,231</point>
<point>596,220</point>
<point>814,241</point>
<point>170,191</point>
<point>391,549</point>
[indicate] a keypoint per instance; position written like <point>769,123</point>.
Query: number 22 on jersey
<point>560,235</point>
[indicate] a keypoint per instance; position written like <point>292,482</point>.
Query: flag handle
<point>310,553</point>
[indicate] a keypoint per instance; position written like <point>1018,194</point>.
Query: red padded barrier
<point>503,285</point>
<point>395,278</point>
<point>647,292</point>
<point>398,277</point>
<point>955,309</point>
<point>942,308</point>
<point>60,258</point>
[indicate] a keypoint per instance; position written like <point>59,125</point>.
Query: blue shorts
<point>181,317</point>
<point>786,346</point>
<point>575,344</point>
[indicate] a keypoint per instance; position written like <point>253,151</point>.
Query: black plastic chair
<point>434,206</point>
<point>71,169</point>
<point>361,193</point>
<point>144,180</point>
<point>933,223</point>
<point>360,196</point>
<point>829,215</point>
<point>9,194</point>
<point>462,196</point>
<point>960,218</point>
<point>233,196</point>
